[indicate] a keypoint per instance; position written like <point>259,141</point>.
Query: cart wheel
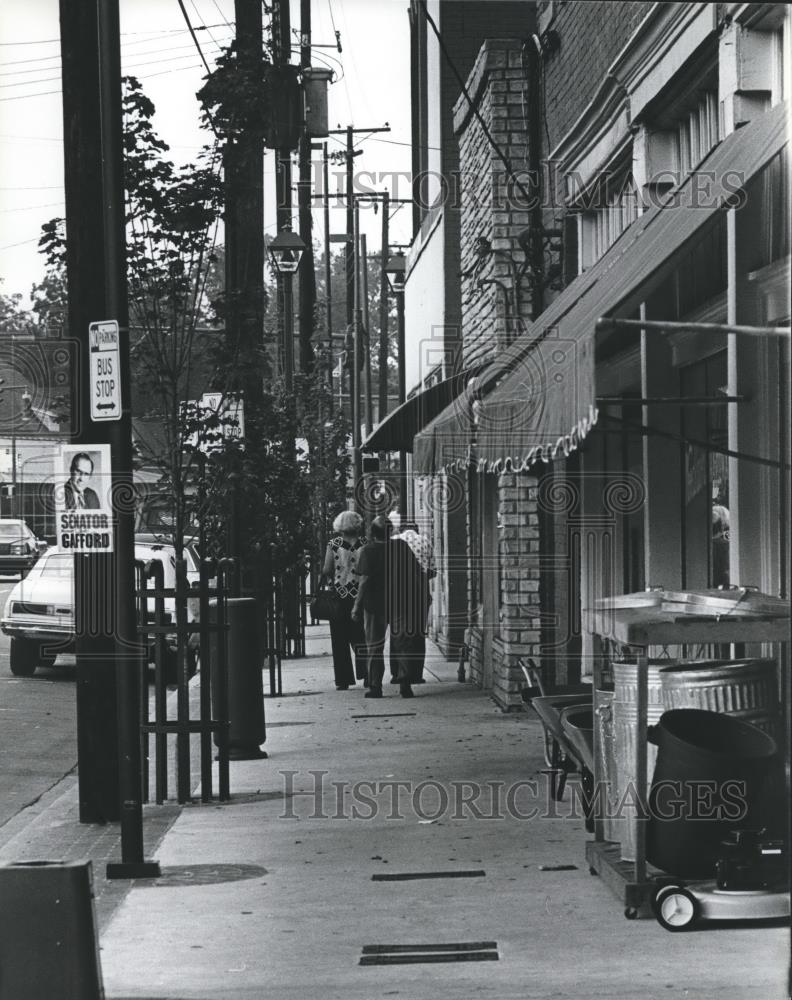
<point>631,913</point>
<point>675,907</point>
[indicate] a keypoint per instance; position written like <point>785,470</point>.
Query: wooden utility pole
<point>382,409</point>
<point>328,274</point>
<point>306,275</point>
<point>244,223</point>
<point>364,321</point>
<point>107,645</point>
<point>357,361</point>
<point>281,49</point>
<point>351,153</point>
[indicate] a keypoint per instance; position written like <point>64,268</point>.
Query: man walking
<point>371,600</point>
<point>407,597</point>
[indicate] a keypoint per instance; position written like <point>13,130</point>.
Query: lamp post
<point>286,250</point>
<point>396,272</point>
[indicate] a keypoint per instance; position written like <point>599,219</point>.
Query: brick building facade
<point>634,107</point>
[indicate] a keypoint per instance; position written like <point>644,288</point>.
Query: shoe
<point>342,687</point>
<point>407,692</point>
<point>394,680</point>
<point>419,680</point>
<point>373,693</point>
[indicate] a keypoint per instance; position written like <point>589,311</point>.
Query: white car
<point>39,612</point>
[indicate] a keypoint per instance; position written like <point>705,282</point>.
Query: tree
<point>13,318</point>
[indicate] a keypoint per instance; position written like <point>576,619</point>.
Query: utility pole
<point>350,154</point>
<point>243,161</point>
<point>357,352</point>
<point>366,326</point>
<point>383,344</point>
<point>107,644</point>
<point>328,274</point>
<point>306,276</point>
<point>281,44</point>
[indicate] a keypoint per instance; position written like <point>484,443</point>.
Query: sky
<point>372,88</point>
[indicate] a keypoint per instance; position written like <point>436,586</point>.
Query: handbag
<point>326,605</point>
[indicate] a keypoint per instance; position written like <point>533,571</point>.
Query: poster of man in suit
<point>84,510</point>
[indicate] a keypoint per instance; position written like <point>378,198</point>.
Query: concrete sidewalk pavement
<point>394,822</point>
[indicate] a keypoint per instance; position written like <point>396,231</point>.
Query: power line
<point>54,41</point>
<point>10,246</point>
<point>220,12</point>
<point>198,15</point>
<point>125,68</point>
<point>499,152</point>
<point>192,34</point>
<point>32,208</point>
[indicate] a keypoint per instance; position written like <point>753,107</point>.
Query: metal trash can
<point>625,724</point>
<point>603,719</point>
<point>247,729</point>
<point>747,689</point>
<point>48,941</point>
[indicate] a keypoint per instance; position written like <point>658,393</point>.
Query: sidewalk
<point>280,892</point>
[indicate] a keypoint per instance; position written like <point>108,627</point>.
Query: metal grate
<point>406,876</point>
<point>386,715</point>
<point>407,954</point>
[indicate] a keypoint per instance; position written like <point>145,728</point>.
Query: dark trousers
<point>407,653</point>
<point>347,635</point>
<point>376,627</point>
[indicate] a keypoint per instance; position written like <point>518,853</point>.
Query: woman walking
<point>340,569</point>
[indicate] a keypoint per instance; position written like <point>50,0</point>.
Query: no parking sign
<point>105,381</point>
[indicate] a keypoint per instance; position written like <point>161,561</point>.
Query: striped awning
<point>537,399</point>
<point>397,431</point>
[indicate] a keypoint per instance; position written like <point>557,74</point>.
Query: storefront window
<point>706,477</point>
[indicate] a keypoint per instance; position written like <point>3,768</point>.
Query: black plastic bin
<point>245,692</point>
<point>714,773</point>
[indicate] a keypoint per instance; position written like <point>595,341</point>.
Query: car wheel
<point>24,657</point>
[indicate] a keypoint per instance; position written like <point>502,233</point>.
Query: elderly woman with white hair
<point>340,569</point>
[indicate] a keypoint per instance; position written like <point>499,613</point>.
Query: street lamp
<point>286,250</point>
<point>396,273</point>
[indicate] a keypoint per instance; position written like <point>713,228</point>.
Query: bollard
<point>48,941</point>
<point>247,730</point>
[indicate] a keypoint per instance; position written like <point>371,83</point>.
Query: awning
<point>446,441</point>
<point>538,398</point>
<point>397,430</point>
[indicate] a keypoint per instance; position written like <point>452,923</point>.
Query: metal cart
<point>659,623</point>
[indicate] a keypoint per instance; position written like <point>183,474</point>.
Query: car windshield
<point>55,564</point>
<point>12,530</point>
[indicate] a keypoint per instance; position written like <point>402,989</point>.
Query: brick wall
<point>520,608</point>
<point>489,207</point>
<point>517,631</point>
<point>591,35</point>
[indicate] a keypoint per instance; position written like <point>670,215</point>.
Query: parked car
<point>39,612</point>
<point>190,550</point>
<point>19,547</point>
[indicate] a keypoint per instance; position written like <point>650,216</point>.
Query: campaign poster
<point>83,498</point>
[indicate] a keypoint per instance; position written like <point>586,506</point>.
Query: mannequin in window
<point>720,545</point>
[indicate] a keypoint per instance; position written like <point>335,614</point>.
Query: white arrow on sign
<point>105,370</point>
